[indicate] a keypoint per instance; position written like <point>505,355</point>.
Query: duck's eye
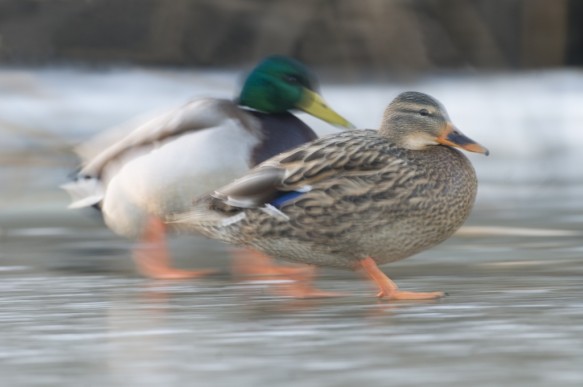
<point>291,78</point>
<point>424,112</point>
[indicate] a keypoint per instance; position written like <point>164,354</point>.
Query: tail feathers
<point>196,219</point>
<point>85,192</point>
<point>204,220</point>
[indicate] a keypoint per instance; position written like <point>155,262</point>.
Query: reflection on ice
<point>514,231</point>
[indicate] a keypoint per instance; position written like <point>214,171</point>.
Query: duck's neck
<point>280,132</point>
<point>445,163</point>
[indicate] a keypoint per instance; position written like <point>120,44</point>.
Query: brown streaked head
<point>416,121</point>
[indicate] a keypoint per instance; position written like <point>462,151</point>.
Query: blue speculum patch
<point>285,197</point>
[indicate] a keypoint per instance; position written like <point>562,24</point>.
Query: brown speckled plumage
<point>383,201</point>
<point>384,194</point>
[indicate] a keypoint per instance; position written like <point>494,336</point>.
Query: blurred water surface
<point>74,312</point>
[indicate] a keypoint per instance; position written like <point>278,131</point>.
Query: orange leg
<point>152,258</point>
<point>254,265</point>
<point>389,289</point>
<point>298,280</point>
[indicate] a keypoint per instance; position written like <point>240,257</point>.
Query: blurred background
<point>509,73</point>
<point>352,38</point>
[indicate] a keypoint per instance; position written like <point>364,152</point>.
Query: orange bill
<point>452,136</point>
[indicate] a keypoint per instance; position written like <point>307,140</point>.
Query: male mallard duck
<point>355,199</point>
<point>160,166</point>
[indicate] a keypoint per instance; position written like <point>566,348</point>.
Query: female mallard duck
<point>355,199</point>
<point>158,167</point>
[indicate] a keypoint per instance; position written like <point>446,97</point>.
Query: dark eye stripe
<point>416,111</point>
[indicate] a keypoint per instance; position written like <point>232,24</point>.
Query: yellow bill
<point>312,103</point>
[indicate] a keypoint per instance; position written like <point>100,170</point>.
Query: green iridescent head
<point>279,84</point>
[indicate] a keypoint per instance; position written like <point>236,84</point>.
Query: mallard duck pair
<point>352,200</point>
<point>157,168</point>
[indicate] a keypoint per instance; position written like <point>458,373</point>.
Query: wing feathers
<point>342,154</point>
<point>196,115</point>
<point>252,190</point>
